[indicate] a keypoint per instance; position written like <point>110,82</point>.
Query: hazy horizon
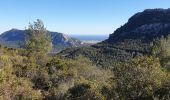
<point>88,17</point>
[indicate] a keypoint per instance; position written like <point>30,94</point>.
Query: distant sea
<point>91,37</point>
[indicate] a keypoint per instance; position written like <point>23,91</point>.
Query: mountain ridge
<point>147,17</point>
<point>12,38</point>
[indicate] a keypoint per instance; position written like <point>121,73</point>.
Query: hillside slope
<point>135,38</point>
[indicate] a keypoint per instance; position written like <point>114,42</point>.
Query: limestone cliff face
<point>144,25</point>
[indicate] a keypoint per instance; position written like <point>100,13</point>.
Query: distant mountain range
<point>14,37</point>
<point>132,39</point>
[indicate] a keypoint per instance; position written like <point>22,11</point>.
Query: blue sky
<point>81,17</point>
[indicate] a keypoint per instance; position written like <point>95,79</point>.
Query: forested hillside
<point>135,38</point>
<point>107,71</point>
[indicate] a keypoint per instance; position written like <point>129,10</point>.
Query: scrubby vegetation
<point>24,77</point>
<point>32,74</point>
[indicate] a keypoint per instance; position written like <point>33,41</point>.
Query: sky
<point>78,17</point>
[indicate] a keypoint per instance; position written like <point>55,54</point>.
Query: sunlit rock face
<point>144,25</point>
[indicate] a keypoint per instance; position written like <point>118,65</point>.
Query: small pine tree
<point>38,39</point>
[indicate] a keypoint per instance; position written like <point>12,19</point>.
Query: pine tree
<point>38,38</point>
